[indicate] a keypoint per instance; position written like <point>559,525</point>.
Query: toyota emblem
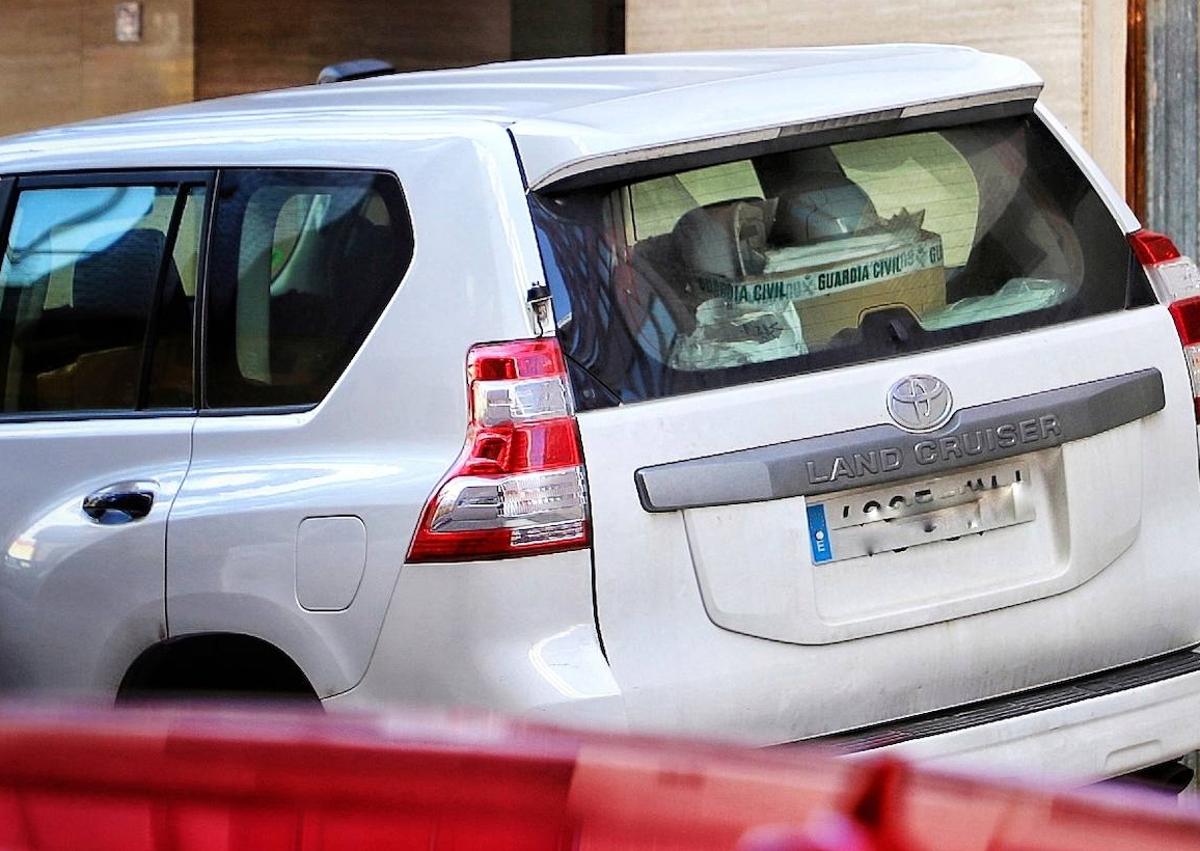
<point>920,403</point>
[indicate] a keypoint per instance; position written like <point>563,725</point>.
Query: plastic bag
<point>1018,295</point>
<point>728,334</point>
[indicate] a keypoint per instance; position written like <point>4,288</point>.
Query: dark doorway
<point>546,28</point>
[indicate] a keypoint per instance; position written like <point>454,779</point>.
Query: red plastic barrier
<point>232,780</point>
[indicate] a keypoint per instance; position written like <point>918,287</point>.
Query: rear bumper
<point>518,637</point>
<point>1098,726</point>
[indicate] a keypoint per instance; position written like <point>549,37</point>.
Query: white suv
<point>775,395</point>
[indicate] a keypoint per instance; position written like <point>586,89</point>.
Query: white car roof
<point>564,113</point>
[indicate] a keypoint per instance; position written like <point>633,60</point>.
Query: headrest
<point>371,243</point>
<point>816,213</point>
<point>727,240</point>
<point>117,279</point>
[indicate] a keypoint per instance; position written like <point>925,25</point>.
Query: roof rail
<point>355,69</point>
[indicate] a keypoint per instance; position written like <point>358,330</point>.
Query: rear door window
<point>304,262</point>
<point>818,257</point>
<point>97,295</point>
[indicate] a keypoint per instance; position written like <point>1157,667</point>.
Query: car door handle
<point>118,504</point>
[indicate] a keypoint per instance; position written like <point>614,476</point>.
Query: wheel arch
<point>212,663</point>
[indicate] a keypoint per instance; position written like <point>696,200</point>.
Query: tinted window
<point>303,264</point>
<point>83,272</point>
<point>812,258</point>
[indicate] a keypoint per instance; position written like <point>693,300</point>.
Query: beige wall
<point>1078,46</point>
<point>60,60</point>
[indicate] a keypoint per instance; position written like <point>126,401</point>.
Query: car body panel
<point>515,636</point>
<point>1135,521</point>
<point>79,600</point>
<point>375,447</point>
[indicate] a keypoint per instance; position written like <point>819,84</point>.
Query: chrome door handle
<point>118,504</point>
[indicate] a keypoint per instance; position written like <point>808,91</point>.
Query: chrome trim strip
<point>883,453</point>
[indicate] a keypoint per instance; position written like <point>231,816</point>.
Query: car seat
<point>101,333</point>
<point>817,200</point>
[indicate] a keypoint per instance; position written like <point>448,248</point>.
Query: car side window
<point>303,264</point>
<point>97,290</point>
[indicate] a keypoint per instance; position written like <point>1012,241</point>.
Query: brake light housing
<point>519,486</point>
<point>1152,248</point>
<point>1176,282</point>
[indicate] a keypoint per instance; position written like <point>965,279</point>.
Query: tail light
<point>1152,248</point>
<point>518,487</point>
<point>1176,281</point>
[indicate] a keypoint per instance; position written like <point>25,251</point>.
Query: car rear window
<point>818,257</point>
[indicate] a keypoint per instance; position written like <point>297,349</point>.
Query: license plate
<point>907,514</point>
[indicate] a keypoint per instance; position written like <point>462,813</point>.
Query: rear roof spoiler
<point>640,163</point>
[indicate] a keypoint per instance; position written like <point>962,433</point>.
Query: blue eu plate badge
<point>818,534</point>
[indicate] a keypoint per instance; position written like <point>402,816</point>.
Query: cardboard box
<point>822,318</point>
<point>834,294</point>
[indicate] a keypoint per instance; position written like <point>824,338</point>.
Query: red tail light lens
<point>1186,314</point>
<point>1152,248</point>
<point>518,487</point>
<point>1177,283</point>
